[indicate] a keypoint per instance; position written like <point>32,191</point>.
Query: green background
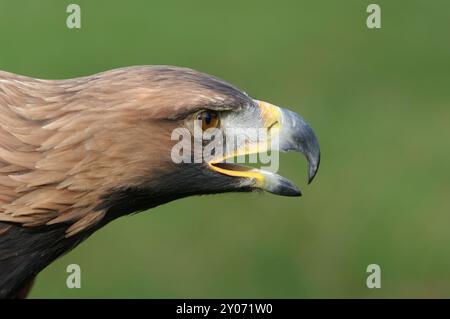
<point>379,103</point>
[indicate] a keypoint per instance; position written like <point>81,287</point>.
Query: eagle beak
<point>288,131</point>
<point>294,134</point>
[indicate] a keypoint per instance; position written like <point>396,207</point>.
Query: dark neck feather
<point>24,252</point>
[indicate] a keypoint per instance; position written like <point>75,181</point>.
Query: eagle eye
<point>208,119</point>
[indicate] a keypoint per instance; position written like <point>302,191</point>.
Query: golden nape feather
<point>45,138</point>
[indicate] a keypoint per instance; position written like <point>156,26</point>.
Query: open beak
<point>291,133</point>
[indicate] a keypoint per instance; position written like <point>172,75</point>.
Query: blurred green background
<point>378,100</point>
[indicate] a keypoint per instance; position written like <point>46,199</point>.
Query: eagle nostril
<point>272,125</point>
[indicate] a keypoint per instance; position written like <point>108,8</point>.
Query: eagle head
<point>77,153</point>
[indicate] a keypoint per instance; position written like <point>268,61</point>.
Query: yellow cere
<point>271,114</point>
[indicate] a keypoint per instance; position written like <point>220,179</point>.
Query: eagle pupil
<point>208,118</point>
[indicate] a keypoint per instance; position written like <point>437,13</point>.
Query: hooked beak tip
<point>313,169</point>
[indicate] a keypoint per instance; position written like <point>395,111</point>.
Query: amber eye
<point>209,119</point>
